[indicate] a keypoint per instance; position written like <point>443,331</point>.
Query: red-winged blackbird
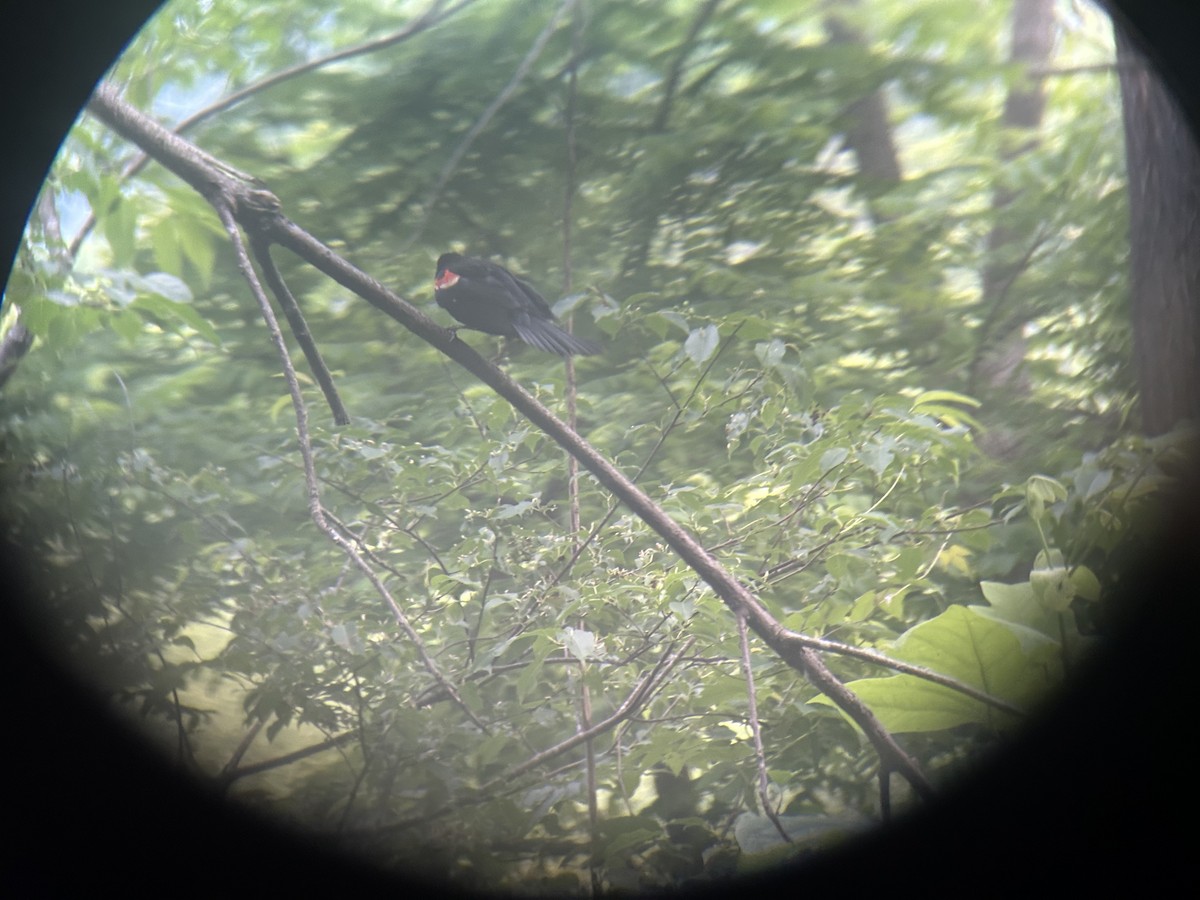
<point>487,297</point>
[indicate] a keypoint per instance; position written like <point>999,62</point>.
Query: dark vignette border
<point>1095,796</point>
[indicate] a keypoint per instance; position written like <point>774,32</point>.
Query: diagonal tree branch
<point>260,213</point>
<point>671,83</point>
<point>436,13</point>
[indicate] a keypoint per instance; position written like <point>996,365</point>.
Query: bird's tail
<point>549,337</point>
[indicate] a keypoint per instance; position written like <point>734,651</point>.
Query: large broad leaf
<point>970,647</point>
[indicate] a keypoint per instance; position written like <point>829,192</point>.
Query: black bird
<point>487,297</point>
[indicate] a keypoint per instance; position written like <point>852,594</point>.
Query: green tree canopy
<point>800,327</point>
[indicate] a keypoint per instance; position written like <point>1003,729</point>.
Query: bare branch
<point>295,317</point>
<point>1092,69</point>
<point>760,756</point>
<point>316,509</point>
<point>13,346</point>
<point>643,235</point>
<point>231,775</point>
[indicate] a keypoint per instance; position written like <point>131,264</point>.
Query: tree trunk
<point>867,125</point>
<point>1164,238</point>
<point>997,368</point>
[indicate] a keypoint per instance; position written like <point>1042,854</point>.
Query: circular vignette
<point>106,799</point>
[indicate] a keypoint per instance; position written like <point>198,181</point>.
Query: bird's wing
<point>534,297</point>
<point>521,291</point>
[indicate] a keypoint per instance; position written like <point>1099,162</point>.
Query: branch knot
<point>258,209</point>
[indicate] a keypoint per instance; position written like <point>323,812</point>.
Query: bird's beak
<point>445,279</point>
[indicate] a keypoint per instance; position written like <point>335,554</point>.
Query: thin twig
<point>428,19</point>
<point>640,243</point>
<point>316,509</point>
<point>232,775</point>
<point>1041,236</point>
<point>535,50</point>
<point>633,702</point>
<point>680,410</point>
<point>229,770</point>
<point>589,754</point>
<point>432,16</point>
<point>1088,69</point>
<point>568,274</point>
<point>760,755</point>
<point>881,659</point>
<point>671,84</point>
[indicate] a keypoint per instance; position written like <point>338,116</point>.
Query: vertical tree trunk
<point>1001,348</point>
<point>867,125</point>
<point>1032,42</point>
<point>1164,238</point>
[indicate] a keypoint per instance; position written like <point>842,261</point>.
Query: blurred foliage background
<point>865,336</point>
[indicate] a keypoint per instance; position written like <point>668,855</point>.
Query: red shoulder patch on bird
<point>445,279</point>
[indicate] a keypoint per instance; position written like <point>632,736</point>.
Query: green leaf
<point>119,225</point>
<point>166,311</point>
<point>37,311</point>
<point>168,252</point>
<point>164,284</point>
<point>512,510</point>
<point>755,328</point>
<point>736,425</point>
<point>1013,602</point>
<point>1041,490</point>
<point>491,747</point>
<point>938,398</point>
<point>664,317</point>
<point>127,324</point>
<point>623,833</point>
<point>876,457</point>
<point>1098,483</point>
<point>568,304</point>
<point>949,415</point>
<point>702,343</point>
<point>579,643</point>
<point>863,607</point>
<point>833,457</point>
<point>340,636</point>
<point>771,353</point>
<point>976,649</point>
<point>907,704</point>
<point>1087,585</point>
<point>532,673</point>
